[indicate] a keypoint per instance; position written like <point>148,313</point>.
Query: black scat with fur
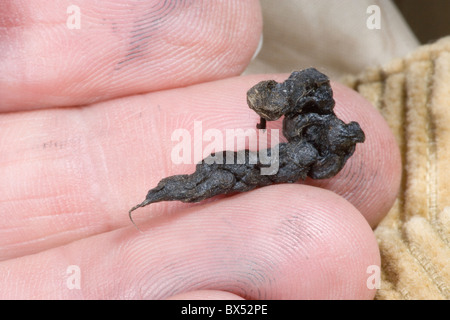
<point>318,146</point>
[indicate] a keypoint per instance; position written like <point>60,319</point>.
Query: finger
<point>251,245</point>
<point>72,173</point>
<point>53,54</point>
<point>206,295</point>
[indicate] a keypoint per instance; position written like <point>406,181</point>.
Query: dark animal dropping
<point>318,146</point>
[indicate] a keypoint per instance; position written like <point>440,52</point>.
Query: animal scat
<point>319,144</point>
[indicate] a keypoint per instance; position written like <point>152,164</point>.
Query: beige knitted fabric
<point>413,94</point>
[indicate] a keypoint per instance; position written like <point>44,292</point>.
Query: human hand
<point>70,175</point>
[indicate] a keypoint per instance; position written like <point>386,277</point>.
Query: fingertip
<point>334,244</point>
<point>206,295</point>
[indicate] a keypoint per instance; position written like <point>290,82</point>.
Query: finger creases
<point>75,172</point>
<point>255,245</point>
<point>55,54</point>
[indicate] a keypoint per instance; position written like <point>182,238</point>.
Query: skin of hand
<point>85,130</point>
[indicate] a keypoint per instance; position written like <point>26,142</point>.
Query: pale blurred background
<point>334,36</point>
